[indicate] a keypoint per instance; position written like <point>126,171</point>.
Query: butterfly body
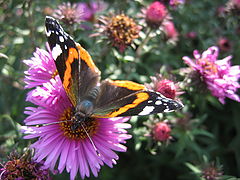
<point>84,109</point>
<point>92,98</point>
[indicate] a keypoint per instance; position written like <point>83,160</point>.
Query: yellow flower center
<point>209,67</point>
<point>55,74</point>
<point>90,124</point>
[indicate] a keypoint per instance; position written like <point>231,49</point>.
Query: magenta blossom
<point>22,166</point>
<point>165,86</point>
<point>58,144</point>
<point>155,14</point>
<point>41,68</point>
<point>220,77</point>
<point>175,3</point>
<point>170,31</point>
<point>161,131</point>
<point>90,9</point>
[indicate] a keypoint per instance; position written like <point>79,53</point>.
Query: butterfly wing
<point>126,98</point>
<point>75,66</point>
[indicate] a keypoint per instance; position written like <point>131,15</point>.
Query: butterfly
<point>92,98</point>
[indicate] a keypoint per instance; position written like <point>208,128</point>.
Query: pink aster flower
<point>48,94</point>
<point>41,68</point>
<point>90,9</point>
<point>170,31</point>
<point>155,14</point>
<point>191,35</point>
<point>175,3</point>
<point>165,86</point>
<point>224,44</point>
<point>66,148</point>
<point>220,77</point>
<point>236,3</point>
<point>68,13</point>
<point>161,131</point>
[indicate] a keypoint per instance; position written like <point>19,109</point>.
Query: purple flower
<point>211,171</point>
<point>175,3</point>
<point>155,14</point>
<point>48,94</point>
<point>41,68</point>
<point>20,167</point>
<point>68,13</point>
<point>220,77</point>
<point>90,9</point>
<point>70,149</point>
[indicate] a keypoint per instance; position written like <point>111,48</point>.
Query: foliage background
<point>214,135</point>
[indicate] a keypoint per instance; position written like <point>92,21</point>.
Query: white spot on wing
<point>61,39</point>
<point>158,102</point>
<point>48,33</point>
<point>147,110</point>
<point>168,110</point>
<point>56,51</point>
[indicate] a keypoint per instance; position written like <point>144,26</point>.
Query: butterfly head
<point>85,107</point>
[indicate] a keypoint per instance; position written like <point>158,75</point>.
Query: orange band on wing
<point>140,98</point>
<point>84,55</point>
<point>73,54</point>
<point>129,85</point>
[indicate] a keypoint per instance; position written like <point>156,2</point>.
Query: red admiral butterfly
<point>91,97</point>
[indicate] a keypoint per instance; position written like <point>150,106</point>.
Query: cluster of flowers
<point>120,29</point>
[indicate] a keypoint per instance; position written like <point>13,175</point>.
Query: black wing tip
<point>50,20</point>
<point>173,106</point>
<point>51,23</point>
<point>178,105</point>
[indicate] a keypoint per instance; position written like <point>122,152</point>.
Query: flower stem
<point>145,41</point>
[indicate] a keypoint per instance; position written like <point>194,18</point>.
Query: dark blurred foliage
<point>205,131</point>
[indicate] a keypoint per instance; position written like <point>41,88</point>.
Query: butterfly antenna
<point>47,124</point>
<point>95,148</point>
<point>79,70</point>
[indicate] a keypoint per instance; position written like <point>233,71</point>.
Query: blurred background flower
<point>176,3</point>
<point>161,131</point>
<point>68,13</point>
<point>120,30</point>
<point>170,31</point>
<point>22,167</point>
<point>155,14</point>
<point>224,44</point>
<point>165,86</point>
<point>220,77</point>
<point>89,9</point>
<point>212,172</point>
